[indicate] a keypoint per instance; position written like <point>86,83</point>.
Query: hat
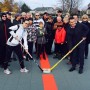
<point>3,14</point>
<point>8,13</point>
<point>17,15</point>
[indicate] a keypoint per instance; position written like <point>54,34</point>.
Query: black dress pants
<point>17,50</point>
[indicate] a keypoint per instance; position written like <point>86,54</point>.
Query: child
<point>59,40</point>
<point>41,40</point>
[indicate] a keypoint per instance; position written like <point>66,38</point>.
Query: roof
<point>43,8</point>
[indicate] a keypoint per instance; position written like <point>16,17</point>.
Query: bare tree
<point>69,5</point>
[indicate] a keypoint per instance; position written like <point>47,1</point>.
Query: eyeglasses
<point>4,16</point>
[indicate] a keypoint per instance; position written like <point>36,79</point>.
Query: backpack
<point>11,37</point>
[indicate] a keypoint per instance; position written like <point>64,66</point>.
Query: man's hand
<point>84,38</point>
<point>70,51</point>
<point>26,50</point>
<point>16,38</point>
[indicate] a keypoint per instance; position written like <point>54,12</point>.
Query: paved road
<point>65,80</point>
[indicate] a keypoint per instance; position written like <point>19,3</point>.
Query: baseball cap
<point>8,13</point>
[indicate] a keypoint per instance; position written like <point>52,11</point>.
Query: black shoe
<point>55,56</point>
<point>80,71</point>
<point>59,57</point>
<point>71,69</point>
<point>27,59</point>
<point>30,58</point>
<point>86,57</point>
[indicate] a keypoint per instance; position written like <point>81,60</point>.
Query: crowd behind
<point>42,32</point>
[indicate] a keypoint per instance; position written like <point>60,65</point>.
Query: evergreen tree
<point>25,8</point>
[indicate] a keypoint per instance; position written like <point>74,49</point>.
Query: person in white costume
<point>18,32</point>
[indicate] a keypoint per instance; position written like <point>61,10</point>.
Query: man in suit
<point>75,33</point>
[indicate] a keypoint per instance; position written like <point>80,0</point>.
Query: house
<point>41,10</point>
<point>88,10</point>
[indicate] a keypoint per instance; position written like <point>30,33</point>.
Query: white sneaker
<point>7,71</point>
<point>24,70</point>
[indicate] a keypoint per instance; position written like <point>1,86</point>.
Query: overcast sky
<point>50,3</point>
<point>39,3</point>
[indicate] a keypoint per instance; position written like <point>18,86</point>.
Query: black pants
<point>17,50</point>
<point>2,53</point>
<point>40,49</point>
<point>86,49</point>
<point>30,48</point>
<point>49,46</point>
<point>59,48</point>
<point>65,48</point>
<point>77,56</point>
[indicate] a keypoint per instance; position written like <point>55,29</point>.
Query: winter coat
<point>56,26</point>
<point>31,31</point>
<point>4,32</point>
<point>41,36</point>
<point>20,32</point>
<point>88,35</point>
<point>60,36</point>
<point>15,22</point>
<point>50,31</point>
<point>76,34</point>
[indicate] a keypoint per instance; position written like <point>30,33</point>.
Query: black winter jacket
<point>76,34</point>
<point>50,31</point>
<point>88,35</point>
<point>4,32</point>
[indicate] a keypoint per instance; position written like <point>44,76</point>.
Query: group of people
<point>64,31</point>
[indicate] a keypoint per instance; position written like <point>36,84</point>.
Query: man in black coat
<point>8,14</point>
<point>75,33</point>
<point>4,35</point>
<point>85,22</point>
<point>50,35</point>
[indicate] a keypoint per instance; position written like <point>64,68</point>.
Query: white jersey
<point>20,32</point>
<point>36,22</point>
